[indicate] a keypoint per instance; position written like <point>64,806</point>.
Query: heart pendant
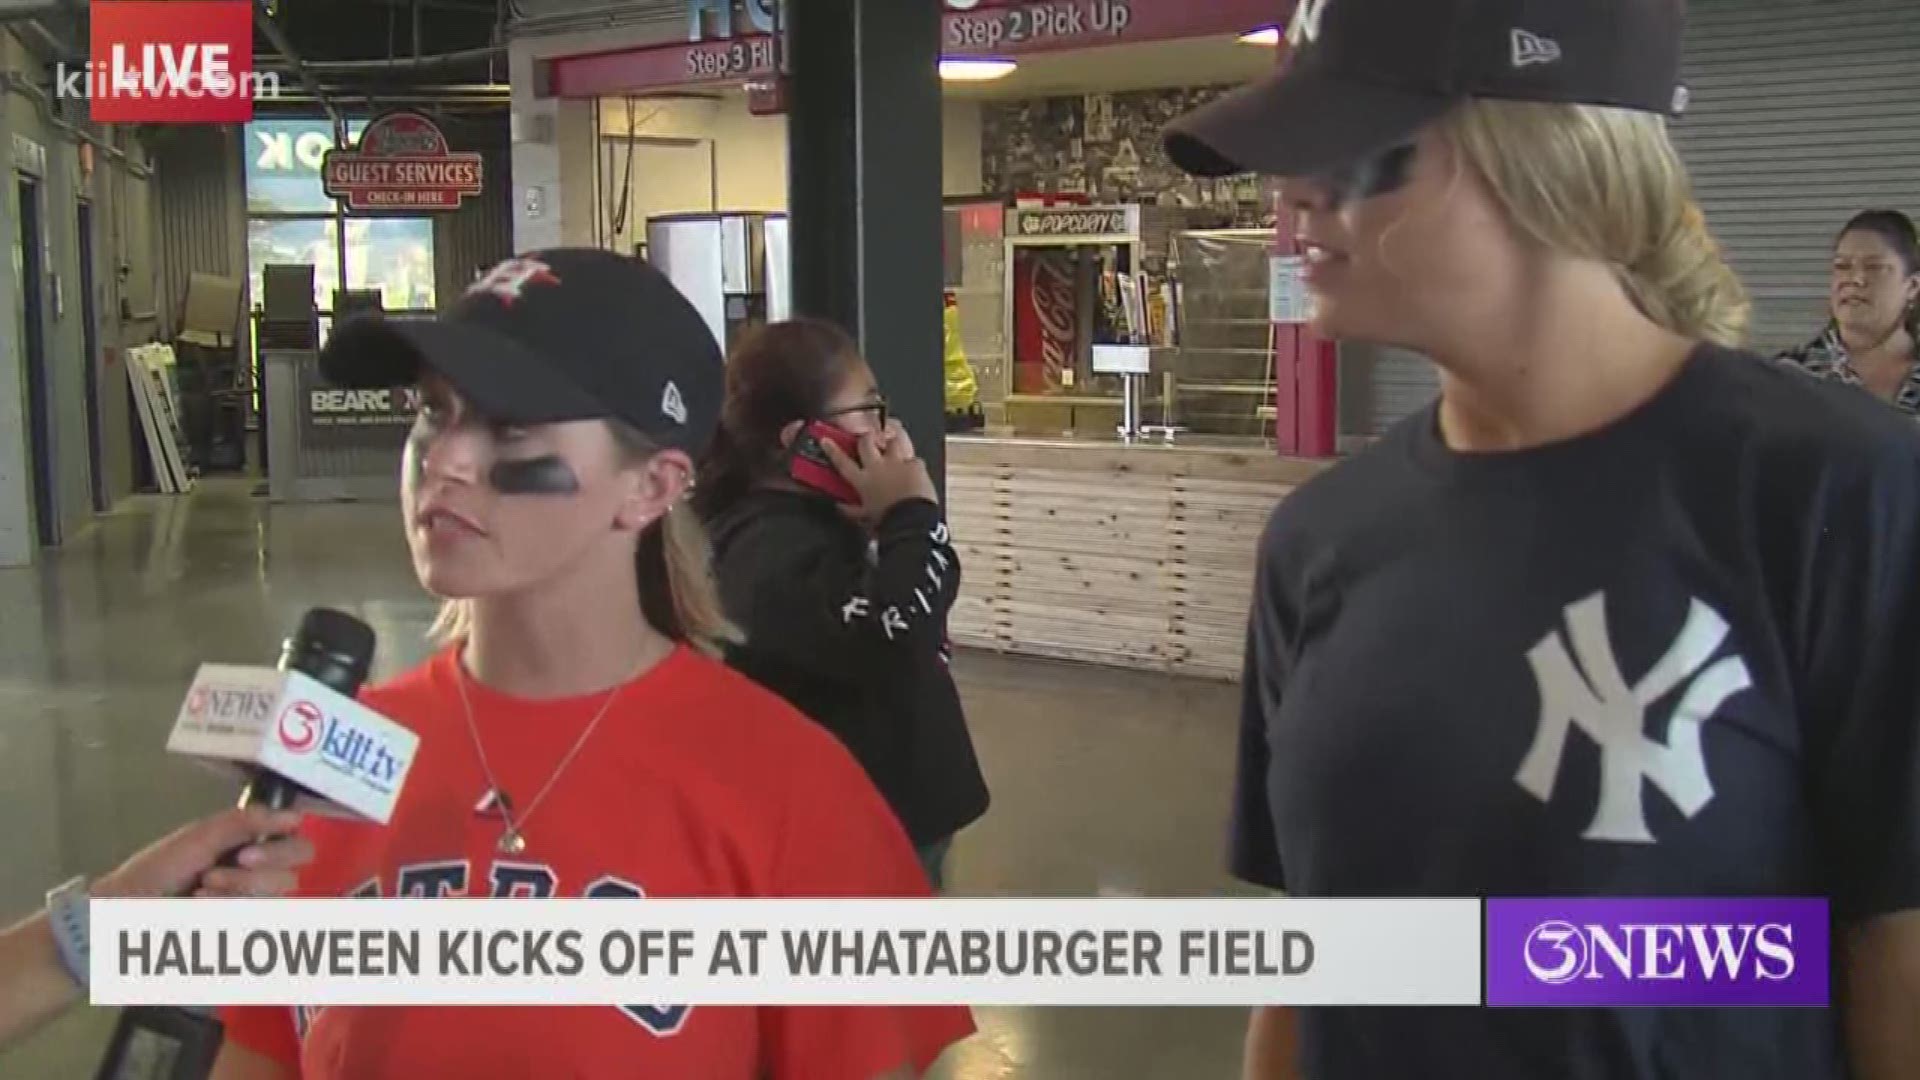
<point>512,843</point>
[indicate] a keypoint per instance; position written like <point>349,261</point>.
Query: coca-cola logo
<point>1054,304</point>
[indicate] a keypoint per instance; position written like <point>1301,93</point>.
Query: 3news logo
<point>1672,952</point>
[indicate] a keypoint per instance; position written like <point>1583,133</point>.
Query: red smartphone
<point>812,468</point>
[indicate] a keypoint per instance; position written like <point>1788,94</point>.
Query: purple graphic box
<point>1672,952</point>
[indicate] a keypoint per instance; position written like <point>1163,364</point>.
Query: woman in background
<point>1625,613</point>
<point>1873,338</point>
<point>844,605</point>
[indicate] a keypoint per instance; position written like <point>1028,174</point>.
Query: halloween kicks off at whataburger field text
<point>510,949</point>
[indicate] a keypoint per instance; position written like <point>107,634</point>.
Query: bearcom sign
<point>336,419</point>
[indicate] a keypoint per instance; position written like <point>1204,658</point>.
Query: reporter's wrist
<point>68,929</point>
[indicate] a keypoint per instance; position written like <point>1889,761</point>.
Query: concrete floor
<point>97,643</point>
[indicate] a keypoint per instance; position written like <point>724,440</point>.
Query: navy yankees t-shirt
<point>1679,656</point>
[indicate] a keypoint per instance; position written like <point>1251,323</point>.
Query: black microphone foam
<point>331,647</point>
<point>335,650</point>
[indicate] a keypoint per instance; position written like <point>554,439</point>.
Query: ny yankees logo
<point>1595,698</point>
<point>1306,22</point>
<point>509,280</point>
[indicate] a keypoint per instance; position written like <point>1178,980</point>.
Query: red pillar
<point>1306,375</point>
<point>1306,366</point>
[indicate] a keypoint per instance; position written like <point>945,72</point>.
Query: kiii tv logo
<point>1669,952</point>
<point>169,62</point>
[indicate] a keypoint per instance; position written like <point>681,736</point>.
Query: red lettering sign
<point>402,162</point>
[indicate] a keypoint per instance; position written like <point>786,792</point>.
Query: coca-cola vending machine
<point>1057,259</point>
<point>1052,309</point>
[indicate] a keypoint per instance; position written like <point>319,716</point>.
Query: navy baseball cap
<point>550,336</point>
<point>1365,76</point>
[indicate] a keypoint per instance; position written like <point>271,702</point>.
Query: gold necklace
<point>513,840</point>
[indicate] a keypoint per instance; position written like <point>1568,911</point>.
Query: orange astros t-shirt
<point>697,783</point>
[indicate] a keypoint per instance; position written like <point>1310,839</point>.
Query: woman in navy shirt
<point>1626,612</point>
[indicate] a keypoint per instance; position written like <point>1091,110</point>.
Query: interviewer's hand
<point>183,864</point>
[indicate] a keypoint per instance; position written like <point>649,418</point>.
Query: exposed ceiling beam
<point>379,67</point>
<point>27,9</point>
<point>264,19</point>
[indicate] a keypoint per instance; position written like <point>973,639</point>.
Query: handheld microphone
<point>336,651</point>
<point>293,734</point>
<point>297,738</point>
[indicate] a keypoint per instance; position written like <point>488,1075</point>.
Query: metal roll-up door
<point>1803,113</point>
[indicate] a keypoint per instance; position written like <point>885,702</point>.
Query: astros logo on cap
<point>509,280</point>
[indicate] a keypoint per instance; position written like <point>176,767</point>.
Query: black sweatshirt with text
<point>851,629</point>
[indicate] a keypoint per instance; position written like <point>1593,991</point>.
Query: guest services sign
<point>401,162</point>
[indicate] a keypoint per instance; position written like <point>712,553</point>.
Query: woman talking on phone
<point>833,556</point>
<point>576,737</point>
<point>1626,612</point>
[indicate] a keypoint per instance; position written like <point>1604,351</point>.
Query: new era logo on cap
<point>672,405</point>
<point>1530,48</point>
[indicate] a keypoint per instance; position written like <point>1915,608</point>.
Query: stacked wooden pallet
<point>1136,556</point>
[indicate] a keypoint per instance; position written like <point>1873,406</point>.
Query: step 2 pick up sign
<point>402,162</point>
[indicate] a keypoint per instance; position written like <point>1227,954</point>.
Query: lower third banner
<point>1108,952</point>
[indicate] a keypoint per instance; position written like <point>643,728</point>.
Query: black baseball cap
<point>1366,75</point>
<point>550,336</point>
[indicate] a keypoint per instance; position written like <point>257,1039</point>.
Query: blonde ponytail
<point>1607,184</point>
<point>677,590</point>
<point>1684,284</point>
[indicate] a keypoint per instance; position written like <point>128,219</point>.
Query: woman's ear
<point>659,484</point>
<point>790,433</point>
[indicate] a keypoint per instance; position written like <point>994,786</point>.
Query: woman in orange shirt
<point>575,743</point>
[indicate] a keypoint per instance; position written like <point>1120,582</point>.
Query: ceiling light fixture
<point>971,69</point>
<point>1266,35</point>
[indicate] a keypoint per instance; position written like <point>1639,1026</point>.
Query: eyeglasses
<point>877,405</point>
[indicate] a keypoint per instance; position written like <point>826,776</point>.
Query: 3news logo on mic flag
<point>239,718</point>
<point>1658,952</point>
